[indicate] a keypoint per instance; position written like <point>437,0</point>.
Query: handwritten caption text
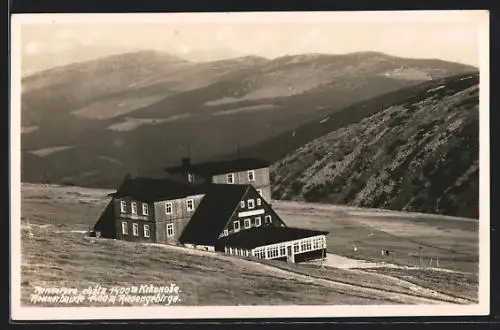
<point>145,294</point>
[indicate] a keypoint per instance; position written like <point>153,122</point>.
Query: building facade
<point>173,215</point>
<point>230,218</point>
<point>135,220</point>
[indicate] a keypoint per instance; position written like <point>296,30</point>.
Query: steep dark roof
<point>219,167</point>
<point>260,236</point>
<point>150,190</point>
<point>213,213</point>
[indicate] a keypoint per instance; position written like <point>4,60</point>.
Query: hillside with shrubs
<point>420,155</point>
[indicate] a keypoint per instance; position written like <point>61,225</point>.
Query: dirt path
<point>338,261</point>
<point>341,262</point>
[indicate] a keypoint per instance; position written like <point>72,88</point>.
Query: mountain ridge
<point>142,114</point>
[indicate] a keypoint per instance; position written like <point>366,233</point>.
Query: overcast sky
<point>68,41</point>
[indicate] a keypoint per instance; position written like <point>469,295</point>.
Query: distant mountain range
<point>77,51</point>
<point>419,154</point>
<point>90,123</point>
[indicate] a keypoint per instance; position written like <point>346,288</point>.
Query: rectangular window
<point>268,219</point>
<point>225,233</point>
<point>273,251</point>
<point>260,192</point>
<point>190,205</point>
<point>230,178</point>
<point>282,250</point>
<point>145,209</point>
<point>242,204</point>
<point>135,229</point>
<point>317,243</point>
<point>146,231</point>
<point>236,225</point>
<point>257,222</point>
<point>123,207</point>
<point>247,223</point>
<point>259,202</point>
<point>168,208</point>
<point>296,247</point>
<point>305,245</point>
<point>190,177</point>
<point>251,175</point>
<point>170,229</point>
<point>251,204</point>
<point>134,208</point>
<point>124,228</point>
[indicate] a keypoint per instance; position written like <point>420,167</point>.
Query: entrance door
<point>289,254</point>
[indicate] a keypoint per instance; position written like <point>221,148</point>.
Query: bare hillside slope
<point>419,155</point>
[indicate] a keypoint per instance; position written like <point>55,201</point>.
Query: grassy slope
<point>55,254</point>
<point>419,154</point>
<point>57,259</point>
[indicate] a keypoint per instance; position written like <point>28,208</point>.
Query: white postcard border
<point>481,17</point>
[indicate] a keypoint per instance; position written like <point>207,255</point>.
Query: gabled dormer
<point>252,211</point>
<point>222,207</point>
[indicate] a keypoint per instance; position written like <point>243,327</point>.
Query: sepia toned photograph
<point>249,165</point>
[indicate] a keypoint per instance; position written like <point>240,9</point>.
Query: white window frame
<point>252,203</point>
<point>190,177</point>
<point>259,191</point>
<point>242,204</point>
<point>268,217</point>
<point>259,202</point>
<point>296,247</point>
<point>272,252</point>
<point>247,221</point>
<point>170,227</point>
<point>234,225</point>
<point>135,229</point>
<point>190,201</point>
<point>124,227</point>
<point>225,232</point>
<point>251,176</point>
<point>259,223</point>
<point>230,175</point>
<point>123,206</point>
<point>167,204</point>
<point>133,207</point>
<point>145,209</point>
<point>146,231</point>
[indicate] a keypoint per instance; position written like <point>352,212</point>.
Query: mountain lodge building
<point>200,211</point>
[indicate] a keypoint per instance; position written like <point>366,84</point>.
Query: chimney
<point>186,161</point>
